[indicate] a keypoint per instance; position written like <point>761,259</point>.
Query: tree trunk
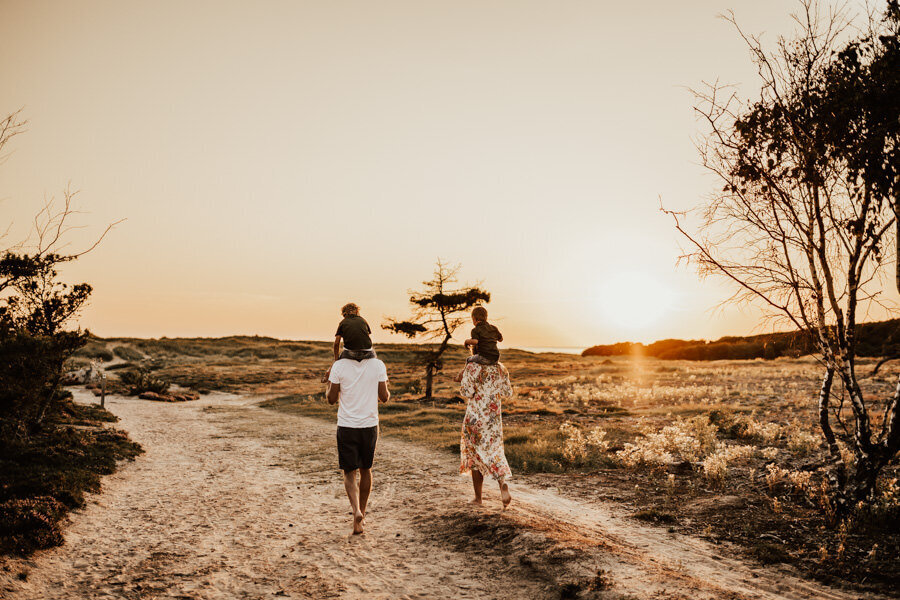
<point>429,380</point>
<point>865,477</point>
<point>897,242</point>
<point>868,459</point>
<point>837,474</point>
<point>50,397</point>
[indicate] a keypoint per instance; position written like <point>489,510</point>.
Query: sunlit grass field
<point>725,449</point>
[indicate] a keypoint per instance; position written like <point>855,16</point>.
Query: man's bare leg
<point>365,486</point>
<point>477,482</point>
<point>352,487</point>
<point>505,496</point>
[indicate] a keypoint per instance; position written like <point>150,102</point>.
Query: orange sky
<point>277,159</point>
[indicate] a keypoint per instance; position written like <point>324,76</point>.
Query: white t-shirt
<point>359,380</point>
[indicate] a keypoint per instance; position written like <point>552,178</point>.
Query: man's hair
<point>349,309</point>
<point>479,313</point>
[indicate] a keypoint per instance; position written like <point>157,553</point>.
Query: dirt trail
<point>233,501</point>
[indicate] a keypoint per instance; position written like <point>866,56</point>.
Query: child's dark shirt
<point>355,333</point>
<point>487,336</point>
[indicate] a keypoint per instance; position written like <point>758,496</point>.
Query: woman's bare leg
<point>504,494</point>
<point>477,482</point>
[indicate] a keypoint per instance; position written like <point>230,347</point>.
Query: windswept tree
<point>35,307</point>
<point>438,310</point>
<point>807,206</point>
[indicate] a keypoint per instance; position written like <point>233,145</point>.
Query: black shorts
<point>356,447</point>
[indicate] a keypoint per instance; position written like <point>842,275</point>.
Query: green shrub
<point>47,473</point>
<point>29,367</point>
<point>140,380</point>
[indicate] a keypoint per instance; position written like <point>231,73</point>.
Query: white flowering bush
<point>769,453</point>
<point>802,442</point>
<point>603,390</point>
<point>800,481</point>
<point>765,432</point>
<point>685,440</point>
<point>578,447</point>
<point>715,466</point>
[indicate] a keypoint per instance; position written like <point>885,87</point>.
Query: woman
<point>481,444</point>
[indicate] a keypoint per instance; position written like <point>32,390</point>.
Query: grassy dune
<point>725,449</point>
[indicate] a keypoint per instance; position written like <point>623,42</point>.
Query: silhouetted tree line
<point>877,339</point>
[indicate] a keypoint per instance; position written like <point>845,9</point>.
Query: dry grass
<point>726,449</point>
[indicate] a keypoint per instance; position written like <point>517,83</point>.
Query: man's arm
<point>333,392</point>
<point>337,346</point>
<point>384,394</point>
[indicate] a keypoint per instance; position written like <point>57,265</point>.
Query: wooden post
<point>102,390</point>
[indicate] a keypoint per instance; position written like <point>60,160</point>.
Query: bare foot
<point>505,495</point>
<point>358,523</point>
<point>475,501</point>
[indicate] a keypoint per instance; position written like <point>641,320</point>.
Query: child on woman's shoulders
<point>483,341</point>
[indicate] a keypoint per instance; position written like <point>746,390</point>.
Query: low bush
<point>127,353</point>
<point>140,380</point>
<point>47,474</point>
<point>30,524</point>
<point>95,351</point>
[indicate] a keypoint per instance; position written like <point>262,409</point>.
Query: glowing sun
<point>634,300</point>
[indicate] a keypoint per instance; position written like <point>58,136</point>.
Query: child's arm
<point>337,346</point>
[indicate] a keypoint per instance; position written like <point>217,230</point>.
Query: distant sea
<point>560,349</point>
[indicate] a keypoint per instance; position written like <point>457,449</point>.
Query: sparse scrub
<point>95,351</point>
<point>579,447</point>
<point>685,440</point>
<point>735,506</point>
<point>140,380</point>
<point>802,442</point>
<point>127,353</point>
<point>715,466</point>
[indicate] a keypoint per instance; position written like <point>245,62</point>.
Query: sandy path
<point>233,501</point>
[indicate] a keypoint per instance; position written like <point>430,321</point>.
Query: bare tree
<point>795,228</point>
<point>35,307</point>
<point>438,311</point>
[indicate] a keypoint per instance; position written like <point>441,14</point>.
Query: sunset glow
<point>274,162</point>
<point>635,301</point>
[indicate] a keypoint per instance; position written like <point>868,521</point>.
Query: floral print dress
<point>481,443</point>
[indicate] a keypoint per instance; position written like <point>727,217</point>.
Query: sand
<point>234,501</point>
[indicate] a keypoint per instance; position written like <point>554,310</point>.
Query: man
<point>357,385</point>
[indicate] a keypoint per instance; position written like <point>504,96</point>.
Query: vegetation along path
<point>235,501</point>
